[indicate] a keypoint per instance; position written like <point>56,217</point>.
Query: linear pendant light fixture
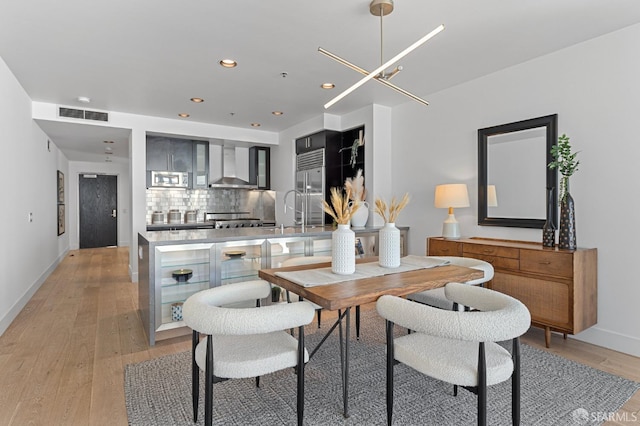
<point>380,8</point>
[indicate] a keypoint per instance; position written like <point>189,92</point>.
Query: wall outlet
<point>30,218</point>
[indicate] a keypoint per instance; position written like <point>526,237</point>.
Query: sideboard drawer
<point>444,248</point>
<point>547,262</point>
<point>489,250</point>
<point>496,262</point>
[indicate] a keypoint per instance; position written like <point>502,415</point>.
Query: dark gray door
<point>98,207</point>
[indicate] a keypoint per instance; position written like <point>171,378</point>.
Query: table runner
<point>324,276</point>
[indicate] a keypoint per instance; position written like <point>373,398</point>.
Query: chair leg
<point>358,322</point>
<point>482,386</point>
<point>208,384</point>
<point>300,381</point>
<point>390,363</point>
<point>257,381</point>
<point>319,313</point>
<point>195,376</point>
<point>289,301</point>
<point>515,383</point>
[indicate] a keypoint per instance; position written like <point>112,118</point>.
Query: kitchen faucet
<point>295,191</point>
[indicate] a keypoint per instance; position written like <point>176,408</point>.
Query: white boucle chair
<point>436,297</point>
<point>458,347</point>
<point>244,342</point>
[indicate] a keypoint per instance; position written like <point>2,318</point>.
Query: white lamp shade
<point>451,195</point>
<point>492,198</point>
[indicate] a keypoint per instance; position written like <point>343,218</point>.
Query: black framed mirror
<point>513,176</point>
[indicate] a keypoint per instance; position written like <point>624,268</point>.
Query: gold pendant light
<point>380,8</point>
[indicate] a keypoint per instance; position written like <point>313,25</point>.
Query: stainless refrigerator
<point>310,187</point>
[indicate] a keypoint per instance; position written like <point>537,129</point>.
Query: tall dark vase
<point>567,234</point>
<point>549,228</point>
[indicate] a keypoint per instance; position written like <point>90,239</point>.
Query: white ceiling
<point>151,56</point>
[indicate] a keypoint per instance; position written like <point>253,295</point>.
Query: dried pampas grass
<point>339,209</point>
<point>356,186</point>
<point>394,209</point>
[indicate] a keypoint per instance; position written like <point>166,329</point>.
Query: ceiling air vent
<point>96,115</point>
<point>82,114</point>
<point>71,113</point>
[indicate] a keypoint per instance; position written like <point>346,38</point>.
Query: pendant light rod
<point>391,61</point>
<point>381,37</point>
<point>377,78</point>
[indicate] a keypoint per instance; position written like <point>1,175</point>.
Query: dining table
<point>316,283</point>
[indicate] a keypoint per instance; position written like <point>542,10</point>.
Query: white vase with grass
<point>343,239</point>
<point>389,235</point>
<point>389,246</point>
<point>343,254</point>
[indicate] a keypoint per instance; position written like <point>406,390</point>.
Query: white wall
<point>119,169</point>
<point>594,88</point>
<point>29,251</point>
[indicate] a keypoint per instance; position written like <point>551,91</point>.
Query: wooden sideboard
<point>560,287</point>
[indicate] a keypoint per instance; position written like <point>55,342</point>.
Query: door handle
<point>114,213</point>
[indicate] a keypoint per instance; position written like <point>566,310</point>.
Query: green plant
<point>566,163</point>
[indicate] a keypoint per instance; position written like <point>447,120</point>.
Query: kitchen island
<point>173,265</point>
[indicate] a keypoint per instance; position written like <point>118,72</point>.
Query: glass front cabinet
<point>169,274</point>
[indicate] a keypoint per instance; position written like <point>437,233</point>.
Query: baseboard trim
<point>17,307</point>
<point>611,340</point>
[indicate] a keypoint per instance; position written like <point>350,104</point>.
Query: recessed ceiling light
<point>228,63</point>
<point>197,100</point>
<point>183,115</point>
<point>84,99</point>
<point>277,112</point>
<point>107,141</point>
<point>255,124</point>
<point>327,85</point>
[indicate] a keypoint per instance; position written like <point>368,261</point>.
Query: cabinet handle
<point>544,263</point>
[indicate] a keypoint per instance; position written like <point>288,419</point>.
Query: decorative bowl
<point>182,275</point>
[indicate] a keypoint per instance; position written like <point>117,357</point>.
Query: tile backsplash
<point>259,204</point>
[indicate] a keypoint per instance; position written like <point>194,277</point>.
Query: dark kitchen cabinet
<point>169,154</point>
<point>200,165</point>
<point>328,139</point>
<point>260,166</point>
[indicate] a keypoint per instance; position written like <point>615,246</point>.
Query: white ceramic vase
<point>343,254</point>
<point>360,217</point>
<point>389,246</point>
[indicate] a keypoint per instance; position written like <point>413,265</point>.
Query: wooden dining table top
<point>365,290</point>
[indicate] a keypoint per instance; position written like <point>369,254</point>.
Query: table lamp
<point>451,196</point>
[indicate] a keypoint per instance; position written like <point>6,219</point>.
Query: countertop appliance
<point>157,217</point>
<point>310,187</point>
<point>190,216</point>
<point>221,220</point>
<point>174,216</point>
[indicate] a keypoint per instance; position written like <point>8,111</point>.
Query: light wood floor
<point>62,359</point>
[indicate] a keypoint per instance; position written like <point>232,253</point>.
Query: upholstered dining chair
<point>307,260</point>
<point>458,347</point>
<point>244,342</point>
<point>436,297</point>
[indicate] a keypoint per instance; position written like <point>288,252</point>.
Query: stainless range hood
<point>229,178</point>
